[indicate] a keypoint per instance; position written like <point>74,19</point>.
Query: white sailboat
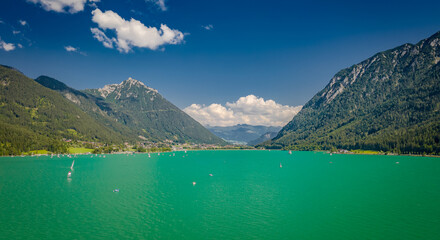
<point>290,152</point>
<point>73,163</point>
<point>281,165</point>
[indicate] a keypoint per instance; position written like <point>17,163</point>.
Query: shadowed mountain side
<point>94,106</point>
<point>265,137</point>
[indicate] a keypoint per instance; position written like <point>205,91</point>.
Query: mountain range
<point>389,102</point>
<point>44,113</point>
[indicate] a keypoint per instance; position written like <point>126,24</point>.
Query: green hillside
<point>35,117</point>
<point>389,102</point>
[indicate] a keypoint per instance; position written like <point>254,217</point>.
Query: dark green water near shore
<point>248,196</point>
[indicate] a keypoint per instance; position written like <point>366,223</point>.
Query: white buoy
<point>194,183</point>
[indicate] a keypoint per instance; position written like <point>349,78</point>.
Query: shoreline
<point>231,149</point>
<point>383,154</point>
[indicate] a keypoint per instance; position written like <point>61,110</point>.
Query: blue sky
<point>281,50</point>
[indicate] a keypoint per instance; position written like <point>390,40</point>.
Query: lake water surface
<point>237,195</point>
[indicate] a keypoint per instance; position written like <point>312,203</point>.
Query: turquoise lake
<point>236,195</point>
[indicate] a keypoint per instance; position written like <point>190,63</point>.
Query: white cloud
<point>70,49</point>
<point>15,32</point>
<point>208,27</point>
<point>6,46</point>
<point>74,49</point>
<point>250,110</point>
<point>22,22</point>
<point>132,33</point>
<point>63,6</point>
<point>100,36</point>
<point>159,3</point>
<point>19,45</point>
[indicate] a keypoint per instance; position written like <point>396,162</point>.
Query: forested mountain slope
<point>95,106</point>
<point>389,102</point>
<point>35,117</point>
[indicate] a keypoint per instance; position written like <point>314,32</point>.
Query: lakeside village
<point>74,147</point>
<point>68,146</point>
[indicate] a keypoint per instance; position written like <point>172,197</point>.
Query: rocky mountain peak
<point>126,85</point>
<point>131,81</point>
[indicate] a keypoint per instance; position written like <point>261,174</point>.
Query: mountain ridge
<point>383,103</point>
<point>133,108</point>
<point>141,107</point>
<point>34,117</point>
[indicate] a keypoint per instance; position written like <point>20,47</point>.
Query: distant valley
<point>243,133</point>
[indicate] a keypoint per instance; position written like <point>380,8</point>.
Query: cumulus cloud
<point>208,27</point>
<point>131,33</point>
<point>159,3</point>
<point>22,22</point>
<point>15,32</point>
<point>64,6</point>
<point>250,110</point>
<point>6,46</point>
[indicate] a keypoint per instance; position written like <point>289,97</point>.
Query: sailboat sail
<point>71,167</point>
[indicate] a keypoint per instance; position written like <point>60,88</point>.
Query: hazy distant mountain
<point>35,117</point>
<point>388,102</point>
<point>263,138</point>
<point>241,133</point>
<point>140,107</point>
